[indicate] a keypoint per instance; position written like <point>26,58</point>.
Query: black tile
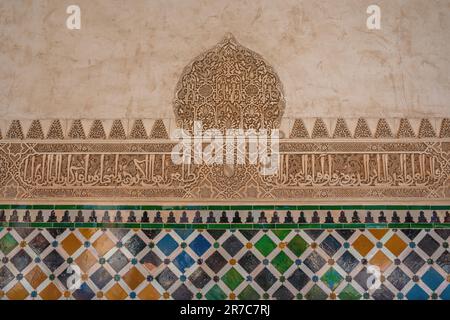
<point>166,278</point>
<point>39,243</point>
<point>216,262</point>
<point>330,245</point>
<point>265,279</point>
<point>101,277</point>
<point>347,262</point>
<point>428,245</point>
<point>398,278</point>
<point>135,245</point>
<point>314,262</point>
<point>383,293</point>
<point>413,261</point>
<point>249,261</point>
<point>199,278</point>
<point>182,293</point>
<point>6,276</point>
<point>118,260</point>
<point>444,261</point>
<point>53,260</point>
<point>21,260</point>
<point>232,245</point>
<point>283,293</point>
<point>298,279</point>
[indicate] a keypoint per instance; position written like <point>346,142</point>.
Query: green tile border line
<point>223,226</point>
<point>221,207</point>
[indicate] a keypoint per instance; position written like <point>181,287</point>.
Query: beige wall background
<point>127,58</point>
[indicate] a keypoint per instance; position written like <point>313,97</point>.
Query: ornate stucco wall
<point>127,58</point>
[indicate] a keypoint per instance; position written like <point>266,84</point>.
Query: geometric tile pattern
<point>186,264</point>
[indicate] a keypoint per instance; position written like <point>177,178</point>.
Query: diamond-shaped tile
<point>87,232</point>
<point>349,293</point>
<point>24,232</point>
<point>265,279</point>
<point>18,292</point>
<point>199,278</point>
<point>232,245</point>
<point>249,261</point>
<point>6,276</point>
<point>248,294</point>
<point>103,244</point>
<point>232,278</point>
<point>432,279</point>
<point>297,245</point>
<point>362,277</point>
<point>71,244</point>
<point>283,293</point>
<point>216,262</point>
<point>281,234</point>
<point>383,293</point>
<point>381,260</point>
<point>200,245</point>
<point>428,244</point>
<point>411,233</point>
<point>398,278</point>
<point>316,293</point>
<point>53,260</point>
<point>21,260</point>
<point>86,260</point>
<point>39,243</point>
<point>133,278</point>
<point>298,279</point>
<point>265,245</point>
<point>118,261</point>
<point>378,233</point>
<point>282,262</point>
<point>332,278</point>
<point>116,292</point>
<point>135,245</point>
<point>167,245</point>
<point>249,234</point>
<point>445,295</point>
<point>444,261</point>
<point>101,277</point>
<point>396,245</point>
<point>51,292</point>
<point>182,293</point>
<point>35,277</point>
<point>7,244</point>
<point>330,245</point>
<point>151,261</point>
<point>413,261</point>
<point>149,293</point>
<point>314,234</point>
<point>215,293</point>
<point>119,233</point>
<point>216,234</point>
<point>345,233</point>
<point>417,293</point>
<point>183,261</point>
<point>347,262</point>
<point>314,261</point>
<point>166,278</point>
<point>84,292</point>
<point>363,245</point>
<point>184,233</point>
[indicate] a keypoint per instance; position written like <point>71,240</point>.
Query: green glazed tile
<point>232,278</point>
<point>376,225</point>
<point>152,225</point>
<point>215,293</point>
<point>399,225</point>
<point>174,226</point>
<point>421,225</point>
<point>265,245</point>
<point>286,226</point>
<point>248,294</point>
<point>197,226</point>
<point>219,226</point>
<point>441,225</point>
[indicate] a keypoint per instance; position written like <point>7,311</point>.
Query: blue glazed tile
<point>167,245</point>
<point>183,261</point>
<point>184,233</point>
<point>200,245</point>
<point>417,293</point>
<point>432,279</point>
<point>445,295</point>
